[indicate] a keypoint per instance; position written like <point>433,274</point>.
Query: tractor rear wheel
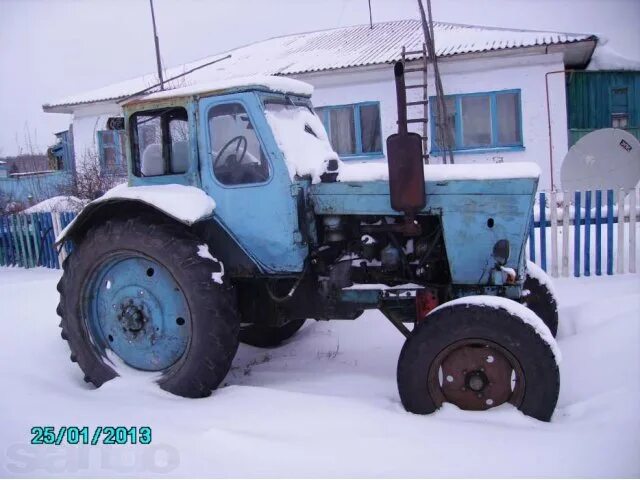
<point>148,294</point>
<point>266,337</point>
<point>478,357</point>
<point>538,296</point>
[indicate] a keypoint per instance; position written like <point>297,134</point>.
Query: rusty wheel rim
<point>476,374</point>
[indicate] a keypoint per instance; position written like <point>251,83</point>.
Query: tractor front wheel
<point>538,296</point>
<point>478,356</point>
<point>151,294</point>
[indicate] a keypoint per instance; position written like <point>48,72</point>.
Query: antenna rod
<point>157,42</point>
<point>370,16</point>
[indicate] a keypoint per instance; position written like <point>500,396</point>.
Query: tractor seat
<point>152,163</point>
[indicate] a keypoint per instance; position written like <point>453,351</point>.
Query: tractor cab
<point>224,140</point>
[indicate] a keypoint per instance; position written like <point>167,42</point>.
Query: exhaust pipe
<point>404,154</point>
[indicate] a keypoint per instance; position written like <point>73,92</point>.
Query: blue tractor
<point>239,222</point>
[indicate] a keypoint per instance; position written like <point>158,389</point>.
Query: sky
<point>50,49</point>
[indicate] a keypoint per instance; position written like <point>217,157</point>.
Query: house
<point>602,99</point>
<point>502,104</point>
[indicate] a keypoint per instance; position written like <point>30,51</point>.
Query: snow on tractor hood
<point>302,139</point>
<point>379,171</point>
<point>187,204</point>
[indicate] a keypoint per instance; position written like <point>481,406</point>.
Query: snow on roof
<point>333,49</point>
<point>266,82</point>
<point>605,58</point>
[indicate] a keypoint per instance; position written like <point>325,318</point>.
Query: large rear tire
<point>470,355</point>
<point>150,293</point>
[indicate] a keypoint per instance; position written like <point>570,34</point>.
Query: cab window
<point>160,142</point>
<point>237,156</point>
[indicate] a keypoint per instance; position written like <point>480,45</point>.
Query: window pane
<point>150,145</point>
<point>508,115</point>
<point>449,130</point>
<point>619,100</point>
<point>107,137</point>
<point>476,121</point>
<point>179,133</point>
<point>342,130</point>
<point>236,151</point>
<point>110,158</point>
<point>320,113</point>
<point>370,125</point>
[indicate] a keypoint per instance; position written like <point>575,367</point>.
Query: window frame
<point>121,158</point>
<point>495,146</point>
<point>134,140</point>
<point>209,144</point>
<point>357,122</point>
<point>617,113</point>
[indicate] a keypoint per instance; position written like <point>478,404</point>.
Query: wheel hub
<point>132,318</point>
<point>135,308</point>
<point>473,376</point>
<point>476,380</point>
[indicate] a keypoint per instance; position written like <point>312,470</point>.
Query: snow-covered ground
<point>324,404</point>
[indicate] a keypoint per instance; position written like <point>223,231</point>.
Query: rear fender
<point>223,244</point>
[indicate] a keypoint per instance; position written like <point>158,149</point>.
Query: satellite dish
<point>602,159</point>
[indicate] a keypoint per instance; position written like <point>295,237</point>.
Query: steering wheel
<point>232,158</point>
<point>233,161</point>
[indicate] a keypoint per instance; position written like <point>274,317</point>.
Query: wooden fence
<point>28,240</point>
<point>585,232</point>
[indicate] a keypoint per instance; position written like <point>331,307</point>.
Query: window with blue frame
<point>480,121</point>
<point>111,150</point>
<point>354,130</point>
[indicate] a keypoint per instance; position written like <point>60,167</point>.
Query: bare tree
<point>90,182</point>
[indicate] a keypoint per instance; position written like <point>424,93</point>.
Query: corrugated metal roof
<point>335,49</point>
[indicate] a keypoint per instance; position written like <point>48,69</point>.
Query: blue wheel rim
<point>133,306</point>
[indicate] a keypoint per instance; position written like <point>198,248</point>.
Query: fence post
<point>576,235</point>
<point>532,238</point>
<point>620,249</point>
<point>598,232</point>
<point>56,230</point>
<point>17,231</point>
<point>566,226</point>
<point>10,244</point>
<point>4,257</point>
<point>543,231</point>
<point>609,232</point>
<point>632,231</point>
<point>52,239</point>
<point>587,233</point>
<point>35,234</point>
<point>553,212</point>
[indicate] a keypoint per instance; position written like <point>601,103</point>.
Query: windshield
<point>301,137</point>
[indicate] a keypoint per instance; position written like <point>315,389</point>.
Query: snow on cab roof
<point>260,82</point>
<point>333,49</point>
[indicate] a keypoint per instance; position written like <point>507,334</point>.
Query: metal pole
<point>370,16</point>
<point>157,42</point>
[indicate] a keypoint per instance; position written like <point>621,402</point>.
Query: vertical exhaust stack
<point>404,154</point>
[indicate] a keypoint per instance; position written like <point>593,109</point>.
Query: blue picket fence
<point>28,240</point>
<point>584,216</point>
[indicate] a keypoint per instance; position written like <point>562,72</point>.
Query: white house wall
<point>87,121</point>
<point>526,73</point>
